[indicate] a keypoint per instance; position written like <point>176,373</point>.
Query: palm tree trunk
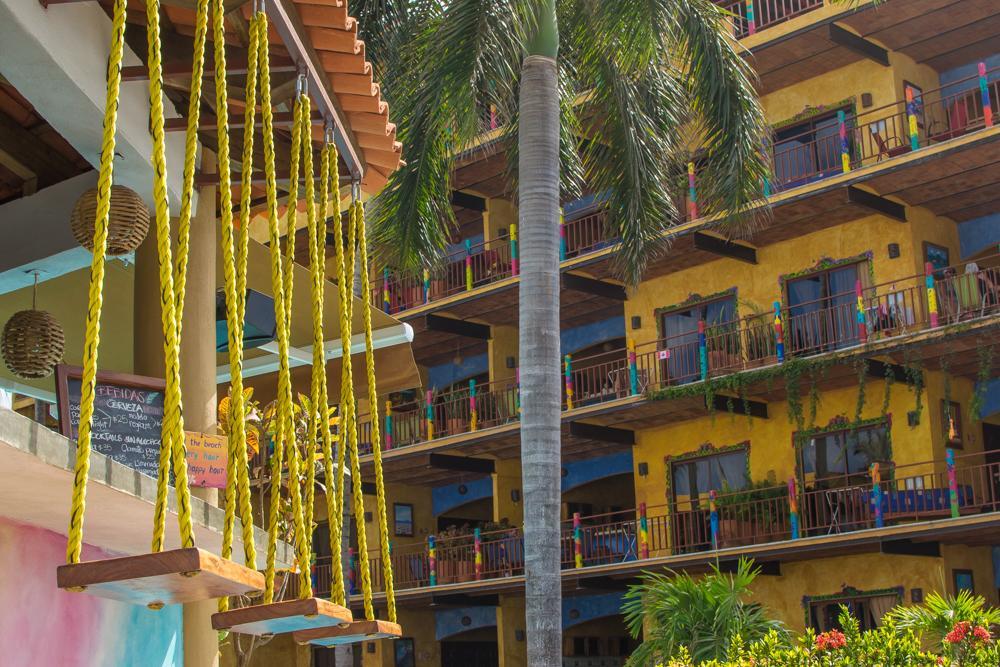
<point>541,397</point>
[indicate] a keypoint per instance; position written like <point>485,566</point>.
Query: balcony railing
<point>752,16</point>
<point>797,509</point>
<point>845,143</point>
<point>801,330</point>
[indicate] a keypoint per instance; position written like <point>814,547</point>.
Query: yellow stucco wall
<point>510,620</point>
<point>423,516</point>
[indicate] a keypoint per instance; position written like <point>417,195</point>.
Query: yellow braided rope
<point>173,417</point>
<point>329,180</point>
<point>319,357</point>
<point>383,524</point>
<point>279,308</point>
<point>358,495</point>
<point>81,466</point>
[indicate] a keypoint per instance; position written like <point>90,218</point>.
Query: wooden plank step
<point>178,576</point>
<point>358,631</point>
<point>281,617</point>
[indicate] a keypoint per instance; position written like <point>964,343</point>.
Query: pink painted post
<point>984,90</point>
<point>862,324</point>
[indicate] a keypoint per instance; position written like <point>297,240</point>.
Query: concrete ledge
<point>36,465</point>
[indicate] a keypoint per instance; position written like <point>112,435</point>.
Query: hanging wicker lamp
<point>32,342</point>
<point>128,222</point>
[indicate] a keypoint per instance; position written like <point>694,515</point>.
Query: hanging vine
<point>793,388</point>
<point>915,378</point>
<point>861,368</point>
<point>985,353</point>
<point>890,379</point>
<point>945,368</point>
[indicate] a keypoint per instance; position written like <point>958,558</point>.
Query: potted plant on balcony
<point>758,336</point>
<point>744,513</point>
<point>874,446</point>
<point>456,559</point>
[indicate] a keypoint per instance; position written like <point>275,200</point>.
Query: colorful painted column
<point>429,414</point>
<point>386,299</point>
<point>793,507</point>
<point>352,570</point>
<point>577,541</point>
<point>633,369</point>
<point>388,425</point>
<point>468,264</point>
<point>949,457</point>
<point>932,304</point>
<point>702,350</point>
<point>515,266</point>
<point>473,417</point>
<point>911,119</point>
<point>877,495</point>
<point>751,21</point>
<point>860,310</point>
<point>477,545</point>
<point>984,90</point>
<point>643,532</point>
<point>562,236</point>
<point>427,286</point>
<point>432,560</point>
<point>845,146</point>
<point>569,382</point>
<point>692,194</point>
<point>779,333</point>
<point>713,519</point>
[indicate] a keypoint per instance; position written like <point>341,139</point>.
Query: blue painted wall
<point>448,622</point>
<point>579,473</point>
<point>991,399</point>
<point>586,335</point>
<point>439,377</point>
<point>978,234</point>
<point>957,80</point>
<point>590,607</point>
<point>445,498</point>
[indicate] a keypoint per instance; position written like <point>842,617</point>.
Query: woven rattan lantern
<point>32,342</point>
<point>127,225</point>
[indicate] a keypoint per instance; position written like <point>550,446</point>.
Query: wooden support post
<point>478,547</point>
<point>779,334</point>
<point>984,90</point>
<point>845,146</point>
<point>932,304</point>
<point>751,20</point>
<point>569,381</point>
<point>949,455</point>
<point>427,286</point>
<point>692,194</point>
<point>386,299</point>
<point>633,369</point>
<point>429,414</point>
<point>877,495</point>
<point>702,350</point>
<point>388,425</point>
<point>643,532</point>
<point>468,265</point>
<point>860,310</point>
<point>713,519</point>
<point>577,541</point>
<point>911,119</point>
<point>432,560</point>
<point>515,268</point>
<point>473,421</point>
<point>793,507</point>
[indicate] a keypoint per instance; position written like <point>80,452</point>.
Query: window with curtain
<point>808,151</point>
<point>844,452</point>
<point>695,477</point>
<point>680,331</point>
<point>869,611</point>
<point>822,309</point>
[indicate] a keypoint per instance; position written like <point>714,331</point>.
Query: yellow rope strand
<point>173,417</point>
<point>329,179</point>
<point>383,524</point>
<point>319,357</point>
<point>81,466</point>
<point>279,308</point>
<point>359,503</point>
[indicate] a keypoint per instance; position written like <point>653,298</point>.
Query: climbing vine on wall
<point>985,354</point>
<point>915,378</point>
<point>861,368</point>
<point>890,379</point>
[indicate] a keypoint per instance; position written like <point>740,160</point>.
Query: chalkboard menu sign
<point>128,415</point>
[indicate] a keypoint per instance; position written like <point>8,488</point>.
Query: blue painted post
<point>877,495</point>
<point>702,350</point>
<point>952,482</point>
<point>713,519</point>
<point>779,333</point>
<point>793,507</point>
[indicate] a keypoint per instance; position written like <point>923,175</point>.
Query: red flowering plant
<point>830,641</point>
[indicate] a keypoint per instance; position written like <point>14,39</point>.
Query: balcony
<point>853,147</point>
<point>889,312</point>
<point>784,515</point>
<point>750,17</point>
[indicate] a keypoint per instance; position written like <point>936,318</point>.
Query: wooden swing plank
<point>281,617</point>
<point>356,632</point>
<point>168,577</point>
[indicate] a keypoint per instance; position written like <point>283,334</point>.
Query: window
<point>808,151</point>
<point>680,331</point>
<point>963,581</point>
<point>822,308</point>
<point>868,609</point>
<point>951,423</point>
<point>403,519</point>
<point>403,652</point>
<point>845,452</point>
<point>938,257</point>
<point>697,476</point>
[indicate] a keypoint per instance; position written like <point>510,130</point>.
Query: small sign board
<point>206,458</point>
<point>128,415</point>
